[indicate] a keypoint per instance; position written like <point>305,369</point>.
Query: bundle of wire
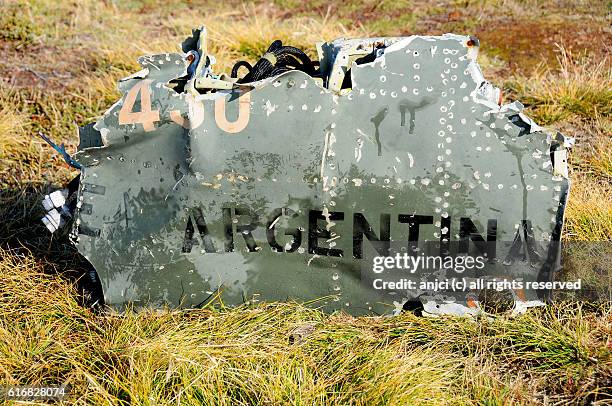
<point>276,60</point>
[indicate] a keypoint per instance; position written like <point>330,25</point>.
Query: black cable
<point>299,54</point>
<point>278,59</point>
<point>239,65</point>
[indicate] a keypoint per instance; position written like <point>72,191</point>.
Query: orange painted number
<point>145,116</point>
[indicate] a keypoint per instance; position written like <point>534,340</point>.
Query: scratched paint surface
<point>266,192</point>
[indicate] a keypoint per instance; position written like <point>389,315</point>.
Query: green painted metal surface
<point>279,190</point>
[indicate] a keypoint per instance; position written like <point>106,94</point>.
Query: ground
<point>59,67</point>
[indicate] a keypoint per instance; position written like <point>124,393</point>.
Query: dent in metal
<point>201,186</point>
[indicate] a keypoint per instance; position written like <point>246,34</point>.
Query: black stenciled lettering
<point>468,231</point>
<point>362,228</point>
<point>243,228</point>
<point>524,245</point>
<point>414,222</point>
<point>188,240</point>
<point>228,229</point>
<point>296,241</point>
<point>445,236</point>
<point>315,232</point>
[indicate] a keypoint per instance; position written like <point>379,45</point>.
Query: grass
<point>244,355</point>
<point>576,89</point>
<point>59,69</point>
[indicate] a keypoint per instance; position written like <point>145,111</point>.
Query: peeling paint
<point>387,127</point>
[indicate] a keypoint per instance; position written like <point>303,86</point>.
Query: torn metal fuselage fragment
<point>286,187</point>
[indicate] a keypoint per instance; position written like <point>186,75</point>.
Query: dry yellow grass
<point>60,69</point>
<point>576,88</point>
<point>589,212</point>
<point>244,356</point>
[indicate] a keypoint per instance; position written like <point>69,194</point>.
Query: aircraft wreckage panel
<point>281,191</point>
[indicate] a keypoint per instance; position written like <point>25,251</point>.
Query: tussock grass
<point>578,89</point>
<point>593,157</point>
<point>244,356</point>
<point>588,216</point>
